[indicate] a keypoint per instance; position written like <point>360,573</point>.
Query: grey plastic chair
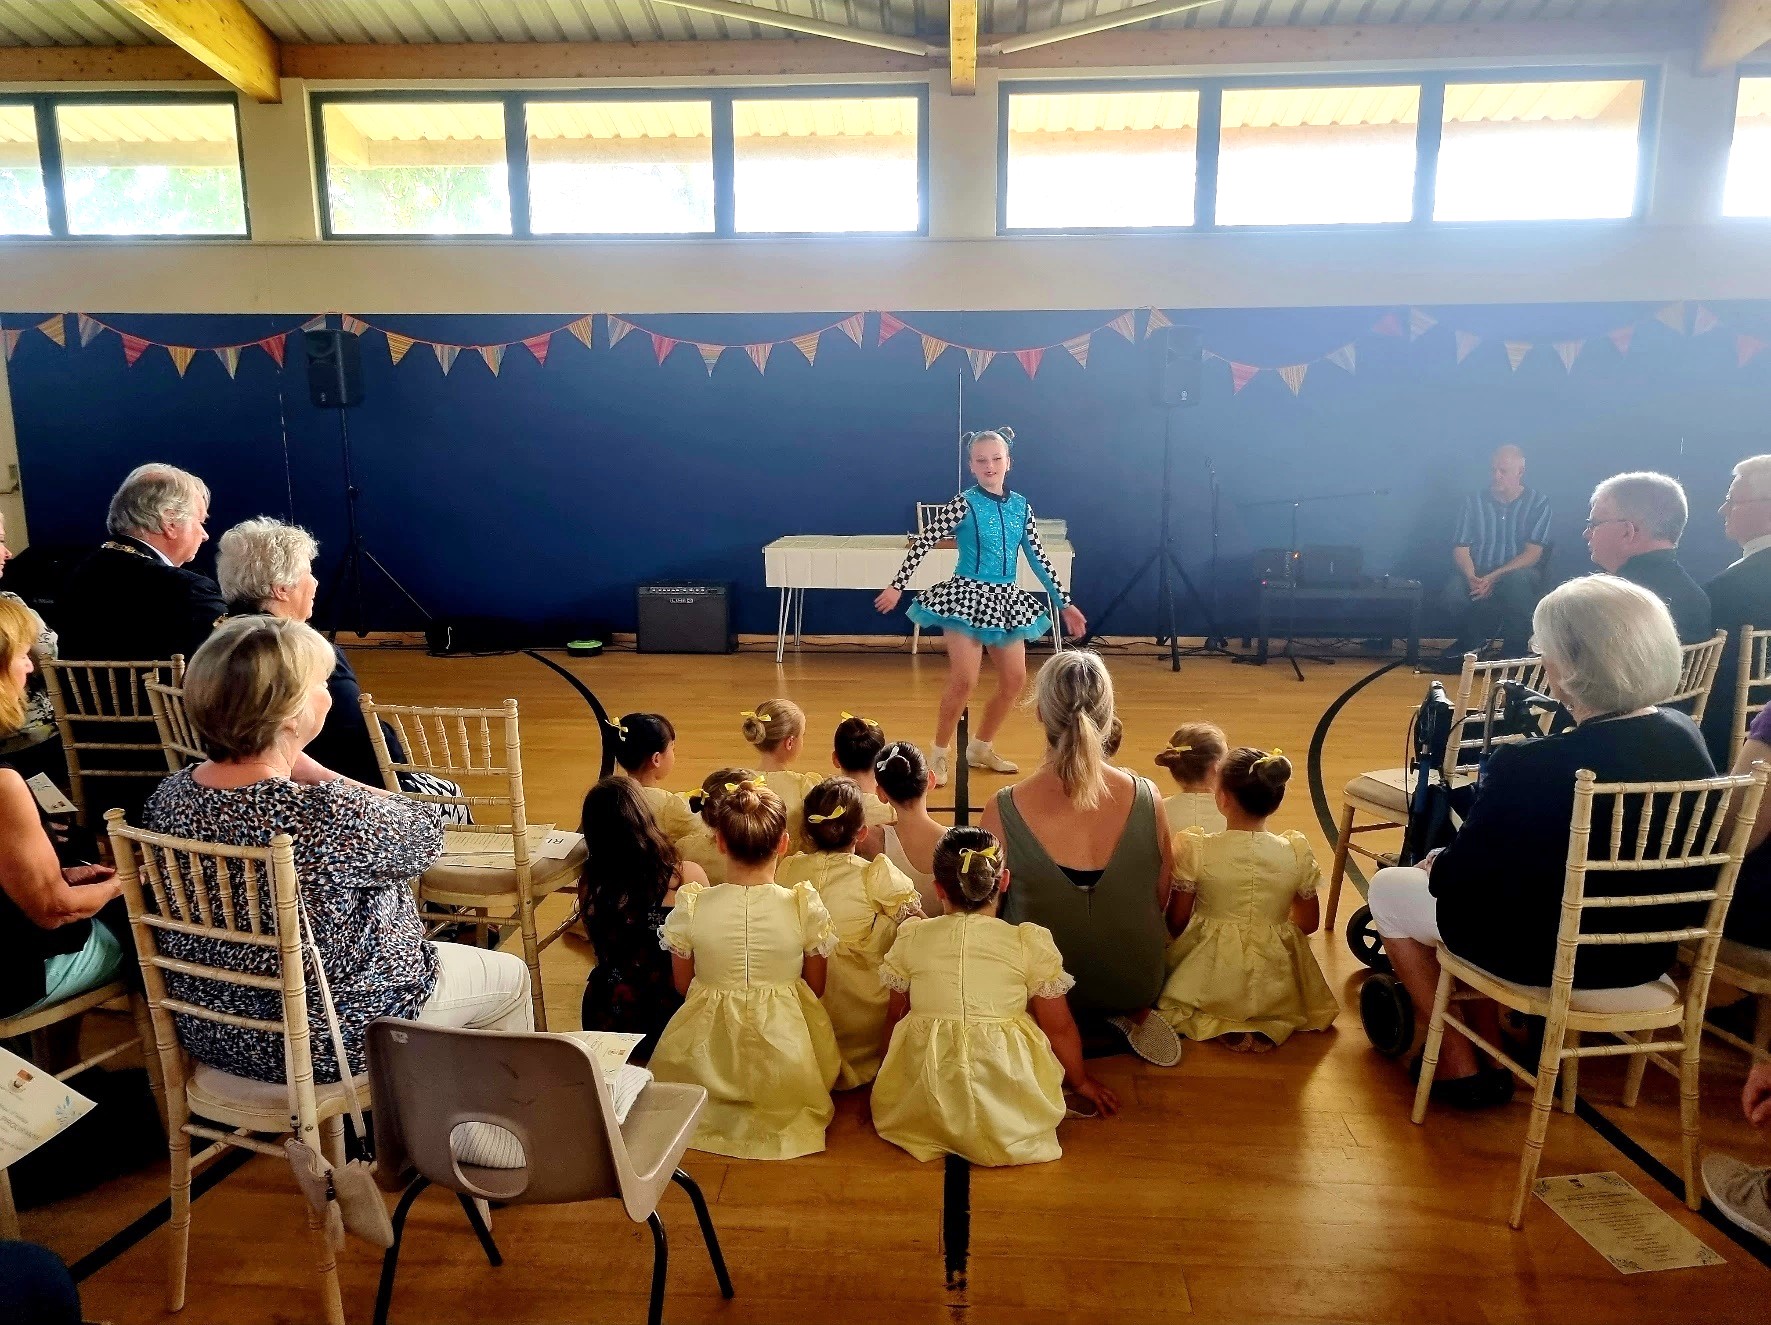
<point>548,1091</point>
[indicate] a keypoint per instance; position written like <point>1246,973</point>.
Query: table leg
<point>781,627</point>
<point>1414,630</point>
<point>799,616</point>
<point>1057,626</point>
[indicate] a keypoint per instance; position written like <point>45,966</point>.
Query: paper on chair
<point>611,1049</point>
<point>34,1107</point>
<point>465,847</point>
<point>49,797</point>
<point>1622,1225</point>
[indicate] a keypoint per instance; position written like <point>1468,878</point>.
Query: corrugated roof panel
<point>70,23</point>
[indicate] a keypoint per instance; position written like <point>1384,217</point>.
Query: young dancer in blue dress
<point>981,609</point>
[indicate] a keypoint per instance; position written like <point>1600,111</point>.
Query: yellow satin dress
<point>751,1031</point>
<point>700,846</point>
<point>1241,965</point>
<point>867,900</point>
<point>792,787</point>
<point>969,1072</point>
<point>670,812</point>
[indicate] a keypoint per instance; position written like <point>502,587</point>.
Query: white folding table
<point>868,561</point>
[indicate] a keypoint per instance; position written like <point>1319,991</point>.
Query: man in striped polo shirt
<point>1501,534</point>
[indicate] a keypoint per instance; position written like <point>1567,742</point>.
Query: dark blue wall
<point>549,491</point>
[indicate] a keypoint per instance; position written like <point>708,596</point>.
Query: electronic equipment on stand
<point>335,381</point>
<point>1175,379</point>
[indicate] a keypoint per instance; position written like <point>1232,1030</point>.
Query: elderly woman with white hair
<point>1494,895</point>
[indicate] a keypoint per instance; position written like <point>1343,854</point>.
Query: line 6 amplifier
<point>685,616</point>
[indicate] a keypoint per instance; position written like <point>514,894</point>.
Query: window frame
<point>49,161</point>
<point>1429,131</point>
<point>1744,71</point>
<point>721,100</point>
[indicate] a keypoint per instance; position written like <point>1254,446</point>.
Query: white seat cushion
<point>1389,787</point>
<point>545,876</point>
<point>1652,997</point>
<point>225,1097</point>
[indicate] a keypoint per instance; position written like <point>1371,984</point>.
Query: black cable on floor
<point>114,1246</point>
<point>956,1221</point>
<point>596,706</point>
<point>1325,816</point>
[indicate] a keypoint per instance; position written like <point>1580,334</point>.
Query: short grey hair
<point>152,495</point>
<point>1612,643</point>
<point>1653,501</point>
<point>257,557</point>
<point>1754,474</point>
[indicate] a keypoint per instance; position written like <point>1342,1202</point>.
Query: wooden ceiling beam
<point>1734,30</point>
<point>222,34</point>
<point>962,47</point>
<point>515,61</point>
<point>100,64</point>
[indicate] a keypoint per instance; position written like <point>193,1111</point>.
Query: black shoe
<point>1483,1089</point>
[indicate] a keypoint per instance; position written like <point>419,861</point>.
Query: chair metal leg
<point>660,1265</point>
<point>1429,1065</point>
<point>708,1234</point>
<point>1343,840</point>
<point>483,1233</point>
<point>1570,1074</point>
<point>390,1260</point>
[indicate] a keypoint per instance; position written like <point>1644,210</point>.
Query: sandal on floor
<point>1152,1039</point>
<point>1080,1106</point>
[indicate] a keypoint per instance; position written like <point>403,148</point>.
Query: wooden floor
<point>1289,1187</point>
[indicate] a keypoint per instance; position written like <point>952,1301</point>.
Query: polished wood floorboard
<point>1287,1187</point>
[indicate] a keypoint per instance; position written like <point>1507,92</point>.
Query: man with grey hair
<point>1633,531</point>
<point>135,597</point>
<point>1741,595</point>
<point>1501,535</point>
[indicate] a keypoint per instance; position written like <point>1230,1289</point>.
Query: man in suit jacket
<point>1741,595</point>
<point>1633,531</point>
<point>134,597</point>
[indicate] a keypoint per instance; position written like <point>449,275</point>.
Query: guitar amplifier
<point>685,616</point>
<point>1327,566</point>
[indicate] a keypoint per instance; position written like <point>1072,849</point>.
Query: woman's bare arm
<point>29,872</point>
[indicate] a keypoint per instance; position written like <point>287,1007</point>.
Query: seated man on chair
<point>1501,533</point>
<point>1633,531</point>
<point>134,598</point>
<point>1741,595</point>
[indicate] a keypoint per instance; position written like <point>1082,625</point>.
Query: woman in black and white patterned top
<point>256,693</point>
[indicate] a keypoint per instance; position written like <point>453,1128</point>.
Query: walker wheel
<point>1364,942</point>
<point>1387,1013</point>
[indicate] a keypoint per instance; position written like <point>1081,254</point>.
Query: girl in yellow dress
<point>645,750</point>
<point>777,728</point>
<point>1243,901</point>
<point>867,900</point>
<point>1193,757</point>
<point>699,845</point>
<point>750,957</point>
<point>981,1040</point>
<point>853,754</point>
<point>902,778</point>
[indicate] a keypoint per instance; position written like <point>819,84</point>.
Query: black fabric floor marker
<point>956,1222</point>
<point>121,1241</point>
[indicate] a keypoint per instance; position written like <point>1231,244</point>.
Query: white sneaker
<point>1152,1039</point>
<point>938,765</point>
<point>981,754</point>
<point>1741,1191</point>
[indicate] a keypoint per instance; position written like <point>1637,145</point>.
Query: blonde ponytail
<point>1074,698</point>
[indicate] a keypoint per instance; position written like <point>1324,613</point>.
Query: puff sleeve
<point>1309,873</point>
<point>1042,963</point>
<point>1186,851</point>
<point>675,936</point>
<point>817,931</point>
<point>894,971</point>
<point>673,816</point>
<point>890,891</point>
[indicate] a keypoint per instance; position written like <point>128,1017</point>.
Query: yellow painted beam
<point>962,47</point>
<point>1736,28</point>
<point>223,35</point>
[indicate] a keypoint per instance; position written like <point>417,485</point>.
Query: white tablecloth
<point>868,561</point>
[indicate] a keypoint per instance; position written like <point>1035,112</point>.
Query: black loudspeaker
<point>1177,356</point>
<point>685,616</point>
<point>334,368</point>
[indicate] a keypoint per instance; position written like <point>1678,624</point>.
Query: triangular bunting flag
<point>539,345</point>
<point>1467,341</point>
<point>89,327</point>
<point>618,327</point>
<point>1241,374</point>
<point>132,348</point>
<point>1622,337</point>
<point>889,325</point>
<point>662,346</point>
<point>54,328</point>
<point>852,327</point>
<point>1030,360</point>
<point>582,329</point>
<point>181,357</point>
<point>273,346</point>
<point>1126,324</point>
<point>398,345</point>
<point>354,326</point>
<point>1345,357</point>
<point>445,356</point>
<point>980,361</point>
<point>1745,347</point>
<point>1158,320</point>
<point>11,341</point>
<point>1078,347</point>
<point>1293,376</point>
<point>1703,321</point>
<point>1672,317</point>
<point>932,349</point>
<point>1388,325</point>
<point>314,323</point>
<point>807,345</point>
<point>1516,352</point>
<point>230,358</point>
<point>710,355</point>
<point>1420,322</point>
<point>759,354</point>
<point>493,355</point>
<point>1568,351</point>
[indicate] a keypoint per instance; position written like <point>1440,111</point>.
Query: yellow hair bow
<point>837,813</point>
<point>968,854</point>
<point>751,713</point>
<point>1177,749</point>
<point>747,782</point>
<point>847,716</point>
<point>618,728</point>
<point>1269,758</point>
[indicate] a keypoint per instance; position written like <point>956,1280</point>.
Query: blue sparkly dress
<point>982,599</point>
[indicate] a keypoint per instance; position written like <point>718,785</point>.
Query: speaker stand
<point>356,555</point>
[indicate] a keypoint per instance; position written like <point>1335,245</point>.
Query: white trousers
<point>1401,906</point>
<point>479,990</point>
